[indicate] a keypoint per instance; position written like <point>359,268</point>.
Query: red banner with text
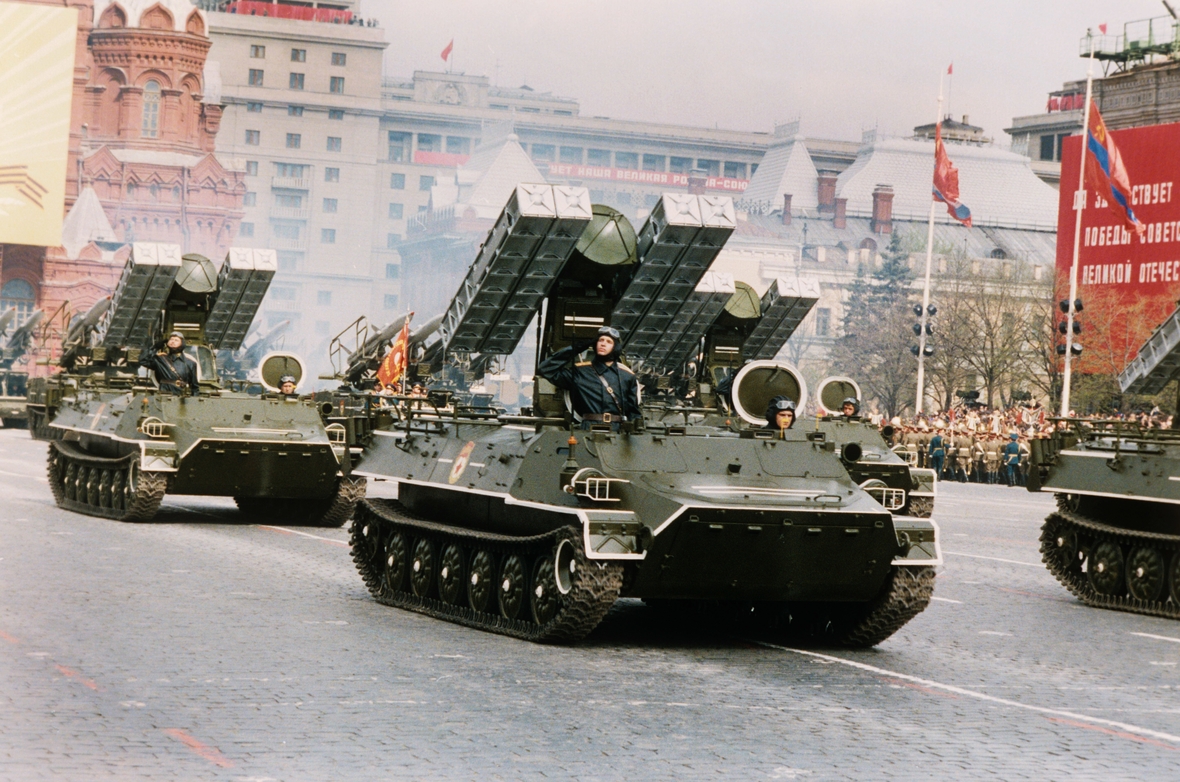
<point>661,178</point>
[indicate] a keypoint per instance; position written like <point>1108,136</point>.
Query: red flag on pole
<point>446,53</point>
<point>394,365</point>
<point>946,181</point>
<point>950,69</point>
<point>1102,28</point>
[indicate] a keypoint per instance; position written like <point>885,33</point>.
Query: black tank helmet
<point>776,406</point>
<point>851,400</point>
<point>616,338</point>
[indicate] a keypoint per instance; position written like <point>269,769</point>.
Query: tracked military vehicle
<point>14,382</point>
<point>533,525</point>
<point>1114,541</point>
<point>117,443</point>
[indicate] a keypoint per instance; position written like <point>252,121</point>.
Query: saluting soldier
<point>603,389</point>
<point>175,371</point>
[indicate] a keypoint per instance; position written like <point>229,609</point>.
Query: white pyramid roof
<point>785,168</point>
<point>999,187</point>
<point>488,177</point>
<point>85,222</point>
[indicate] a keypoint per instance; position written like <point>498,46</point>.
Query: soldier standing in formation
<point>603,390</point>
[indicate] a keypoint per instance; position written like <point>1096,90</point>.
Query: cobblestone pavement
<point>205,647</point>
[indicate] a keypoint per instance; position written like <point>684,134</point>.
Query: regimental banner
<point>661,178</point>
<point>37,46</point>
<point>1128,284</point>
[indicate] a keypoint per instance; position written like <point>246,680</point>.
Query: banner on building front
<point>37,46</point>
<point>661,178</point>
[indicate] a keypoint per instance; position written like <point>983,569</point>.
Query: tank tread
<point>349,492</point>
<point>1067,568</point>
<point>921,507</point>
<point>104,487</point>
<point>593,586</point>
<point>908,594</point>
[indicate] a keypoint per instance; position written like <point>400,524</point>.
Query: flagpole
<point>1079,205</point>
<point>919,400</point>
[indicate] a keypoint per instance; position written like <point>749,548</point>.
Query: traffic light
<point>1063,327</point>
<point>928,351</point>
<point>1076,348</point>
<point>914,350</point>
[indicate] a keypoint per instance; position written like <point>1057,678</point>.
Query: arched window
<point>19,294</point>
<point>998,253</point>
<point>151,109</point>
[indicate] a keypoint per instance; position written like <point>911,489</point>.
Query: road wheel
<point>481,581</point>
<point>1107,568</point>
<point>511,587</point>
<point>393,574</point>
<point>422,568</point>
<point>545,598</point>
<point>1146,573</point>
<point>450,575</point>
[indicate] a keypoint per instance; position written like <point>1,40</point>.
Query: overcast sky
<point>839,67</point>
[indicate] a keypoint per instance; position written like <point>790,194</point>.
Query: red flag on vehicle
<point>394,365</point>
<point>946,181</point>
<point>446,53</point>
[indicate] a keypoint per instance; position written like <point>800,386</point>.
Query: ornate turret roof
<point>178,10</point>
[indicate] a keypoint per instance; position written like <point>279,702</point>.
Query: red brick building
<point>141,165</point>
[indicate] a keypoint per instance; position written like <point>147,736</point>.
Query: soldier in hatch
<point>780,415</point>
<point>850,408</point>
<point>603,390</point>
<point>287,385</point>
<point>175,371</point>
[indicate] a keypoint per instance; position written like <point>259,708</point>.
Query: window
<point>392,270</point>
<point>654,162</point>
<point>1047,147</point>
<point>294,140</point>
<point>397,181</point>
<point>288,261</point>
<point>331,175</point>
<point>735,170</point>
<point>294,111</point>
<point>339,58</point>
<point>396,211</point>
<point>282,293</point>
<point>425,182</point>
<point>296,170</point>
<point>254,108</point>
<point>330,205</point>
<point>334,144</point>
<point>286,230</point>
<point>335,113</point>
<point>289,201</point>
<point>151,110</point>
<point>391,301</point>
<point>823,322</point>
<point>399,147</point>
<point>257,52</point>
<point>299,55</point>
<point>253,137</point>
<point>623,199</point>
<point>251,168</point>
<point>21,295</point>
<point>246,230</point>
<point>626,160</point>
<point>544,153</point>
<point>428,142</point>
<point>391,241</point>
<point>323,298</point>
<point>250,199</point>
<point>680,165</point>
<point>296,81</point>
<point>336,85</point>
<point>322,327</point>
<point>255,79</point>
<point>598,157</point>
<point>422,209</point>
<point>710,167</point>
<point>650,200</point>
<point>458,145</point>
<point>328,235</point>
<point>570,155</point>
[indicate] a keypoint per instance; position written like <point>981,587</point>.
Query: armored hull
<point>661,514</point>
<point>1114,541</point>
<point>898,486</point>
<point>115,454</point>
<point>12,398</point>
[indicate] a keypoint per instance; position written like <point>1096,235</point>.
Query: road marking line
<point>10,638</point>
<point>1109,732</point>
<point>304,534</point>
<point>977,695</point>
<point>1158,637</point>
<point>211,754</point>
<point>993,559</point>
<point>70,673</point>
<point>947,600</point>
